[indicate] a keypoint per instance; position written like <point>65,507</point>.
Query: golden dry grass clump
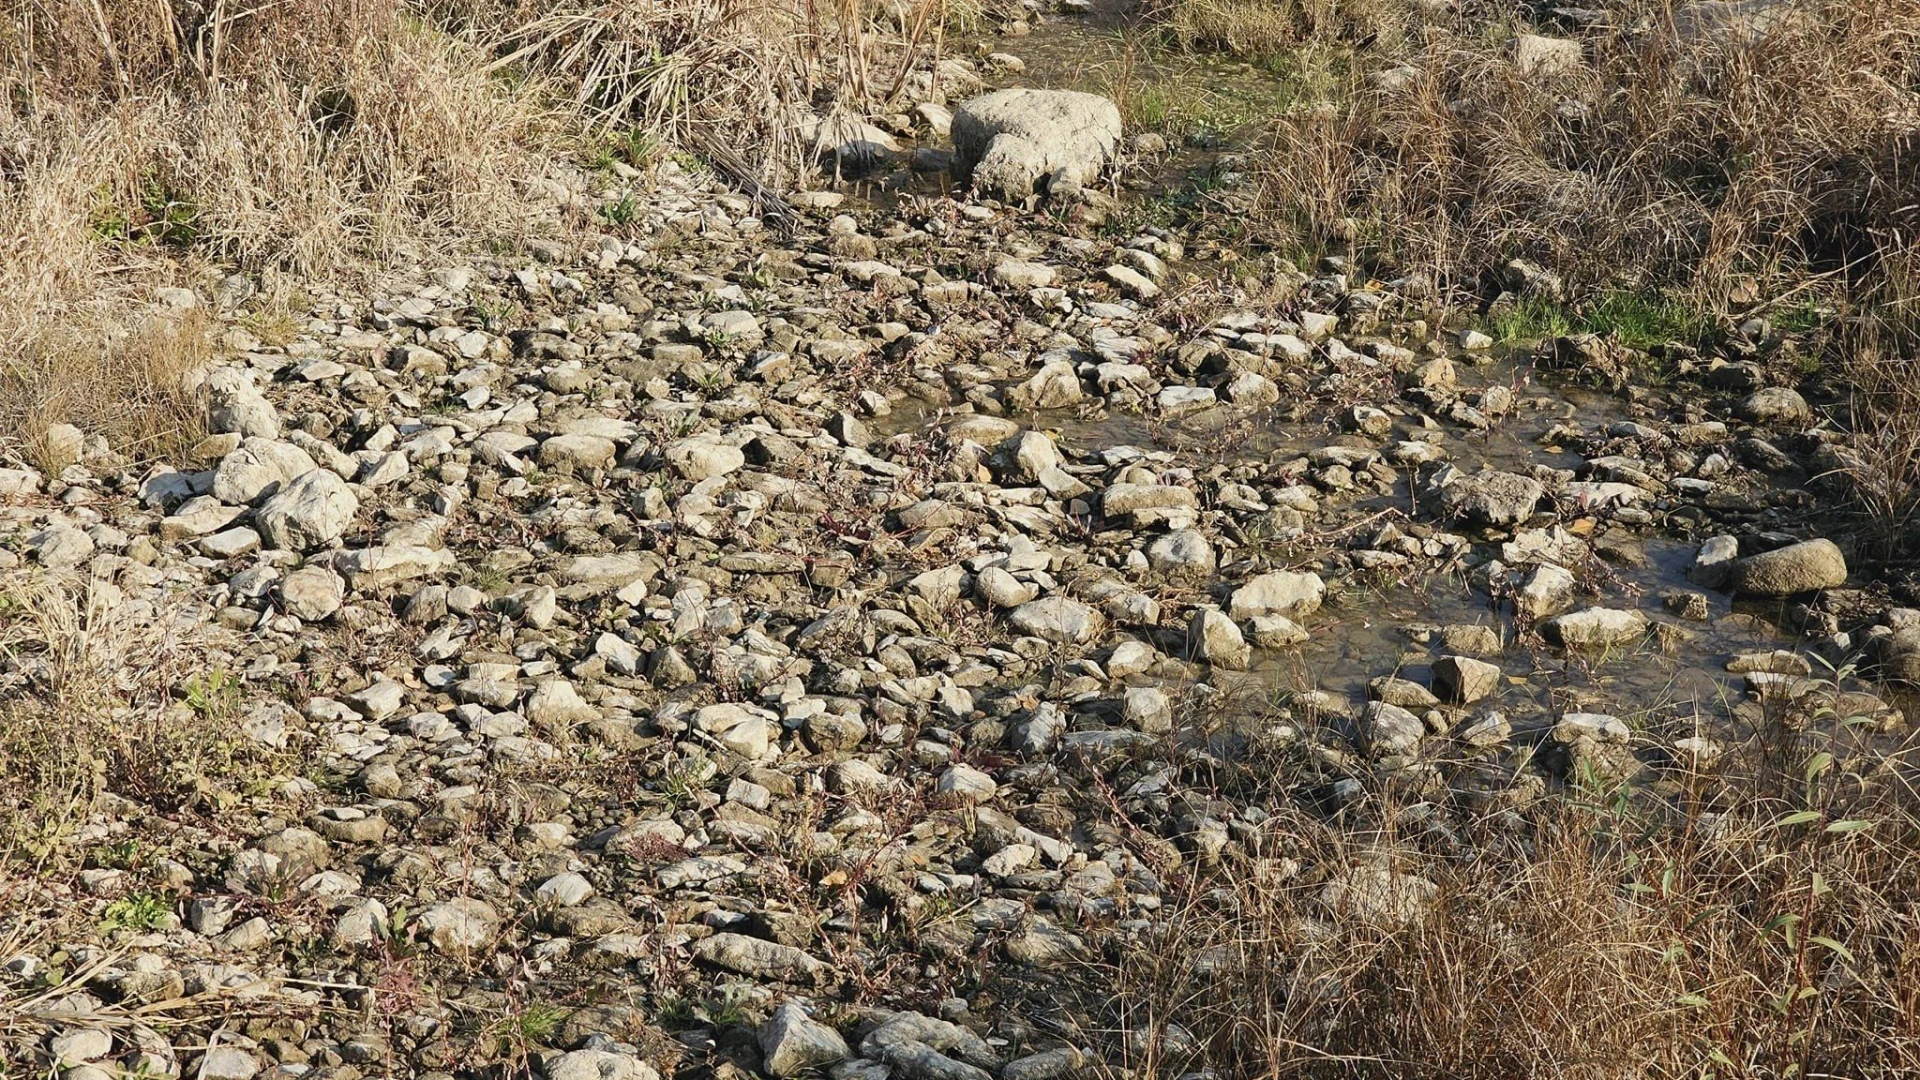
<point>1761,920</point>
<point>144,142</point>
<point>1768,144</point>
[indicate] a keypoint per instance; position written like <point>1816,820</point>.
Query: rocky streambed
<point>718,648</point>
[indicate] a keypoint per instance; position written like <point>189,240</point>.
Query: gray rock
<point>457,927</point>
<point>80,1045</point>
<point>227,1063</point>
<point>1379,896</point>
<point>1591,727</point>
<point>1280,592</point>
<point>1215,639</point>
<point>1045,1065</point>
<point>555,705</point>
<point>704,457</point>
<point>1149,709</point>
<point>1182,556</point>
<point>792,1042</point>
<point>1276,631</point>
<point>1464,680</point>
<point>1796,568</point>
<point>1776,405</point>
<point>1537,56</point>
<point>1714,562</point>
<point>1596,628</point>
<point>235,404</point>
<point>1001,589</point>
<point>1013,142</point>
<point>594,1064</point>
<point>577,453</point>
<point>1390,731</point>
<point>257,469</point>
<point>1492,498</point>
<point>1058,619</point>
<point>1548,590</point>
<point>374,568</point>
<point>60,547</point>
<point>739,728</point>
<point>311,511</point>
<point>965,784</point>
<point>365,923</point>
<point>759,958</point>
<point>1896,655</point>
<point>918,1061</point>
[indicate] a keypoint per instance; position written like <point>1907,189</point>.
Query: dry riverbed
<point>719,648</point>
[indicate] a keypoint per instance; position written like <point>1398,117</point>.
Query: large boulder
<point>1014,142</point>
<point>1796,568</point>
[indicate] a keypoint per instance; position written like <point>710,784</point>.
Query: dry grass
<point>740,74</point>
<point>1758,922</point>
<point>1265,27</point>
<point>145,141</point>
<point>129,388</point>
<point>1744,168</point>
<point>100,697</point>
<point>1669,157</point>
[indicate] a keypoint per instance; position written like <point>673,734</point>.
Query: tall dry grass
<point>1671,155</point>
<point>150,142</point>
<point>1761,918</point>
<point>144,144</point>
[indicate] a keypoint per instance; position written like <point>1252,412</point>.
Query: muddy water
<point>1676,683</point>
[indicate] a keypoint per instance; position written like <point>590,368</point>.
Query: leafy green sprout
<point>138,911</point>
<point>214,694</point>
<point>621,212</point>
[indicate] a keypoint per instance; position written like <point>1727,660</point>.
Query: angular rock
<point>791,1042</point>
<point>1464,680</point>
<point>1058,619</point>
<point>759,958</point>
<point>311,511</point>
<point>1596,628</point>
<point>1492,498</point>
<point>1215,639</point>
<point>1279,592</point>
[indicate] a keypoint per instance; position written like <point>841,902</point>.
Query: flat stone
<point>1596,628</point>
<point>759,958</point>
<point>1058,619</point>
<point>1279,592</point>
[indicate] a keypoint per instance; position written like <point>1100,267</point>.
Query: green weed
<point>139,911</point>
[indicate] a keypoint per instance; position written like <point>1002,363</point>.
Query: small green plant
<point>538,1023</point>
<point>1531,319</point>
<point>686,778</point>
<point>1640,319</point>
<point>165,215</point>
<point>124,855</point>
<point>622,212</point>
<point>639,148</point>
<point>213,694</point>
<point>676,1014</point>
<point>138,911</point>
